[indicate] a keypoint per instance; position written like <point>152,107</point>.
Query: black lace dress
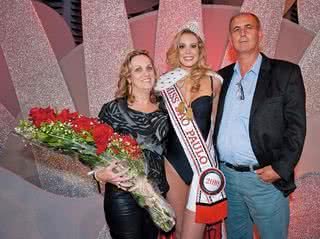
<point>123,215</point>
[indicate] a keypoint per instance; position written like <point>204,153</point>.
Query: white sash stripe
<point>200,158</point>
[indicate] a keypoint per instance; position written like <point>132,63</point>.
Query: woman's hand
<point>115,175</point>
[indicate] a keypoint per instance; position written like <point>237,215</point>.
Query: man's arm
<point>295,129</point>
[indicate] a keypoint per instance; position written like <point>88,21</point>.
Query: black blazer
<point>277,123</point>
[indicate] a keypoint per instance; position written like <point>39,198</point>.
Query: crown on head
<point>194,26</point>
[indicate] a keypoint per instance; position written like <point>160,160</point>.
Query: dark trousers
<point>126,219</point>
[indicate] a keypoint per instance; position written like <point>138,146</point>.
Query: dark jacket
<point>277,123</point>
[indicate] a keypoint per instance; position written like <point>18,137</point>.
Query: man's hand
<point>267,174</point>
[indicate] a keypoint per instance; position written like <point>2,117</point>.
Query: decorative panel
<point>309,14</point>
<point>107,39</point>
<point>310,69</point>
<point>33,67</point>
<point>7,123</point>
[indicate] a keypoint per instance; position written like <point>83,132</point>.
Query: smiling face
<point>142,73</point>
<point>188,50</point>
<point>245,34</point>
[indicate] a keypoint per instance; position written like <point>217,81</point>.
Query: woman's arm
<point>114,175</point>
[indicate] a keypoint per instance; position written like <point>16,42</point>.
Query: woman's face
<point>188,49</point>
<point>142,73</point>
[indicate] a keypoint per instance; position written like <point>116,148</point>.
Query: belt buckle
<point>251,168</point>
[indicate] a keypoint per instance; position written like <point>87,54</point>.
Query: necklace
<point>185,108</point>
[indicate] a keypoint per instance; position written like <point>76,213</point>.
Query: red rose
<point>130,145</point>
<point>100,148</point>
<point>129,140</point>
<point>102,135</point>
<point>65,116</point>
<point>84,123</point>
<point>41,115</point>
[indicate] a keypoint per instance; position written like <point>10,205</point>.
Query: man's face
<point>245,36</point>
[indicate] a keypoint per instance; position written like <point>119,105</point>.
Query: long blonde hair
<point>124,87</point>
<point>200,69</point>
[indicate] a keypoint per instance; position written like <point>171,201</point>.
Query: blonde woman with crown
<point>200,89</point>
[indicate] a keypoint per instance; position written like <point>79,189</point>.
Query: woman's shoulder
<point>170,78</point>
<point>211,83</point>
<point>215,76</point>
<point>111,107</point>
<point>162,106</point>
<point>107,106</point>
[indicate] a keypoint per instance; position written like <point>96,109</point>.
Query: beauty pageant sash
<point>211,203</point>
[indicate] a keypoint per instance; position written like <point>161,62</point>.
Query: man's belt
<point>242,168</point>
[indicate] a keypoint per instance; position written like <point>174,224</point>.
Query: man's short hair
<point>245,14</point>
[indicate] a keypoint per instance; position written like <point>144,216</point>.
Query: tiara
<point>193,26</point>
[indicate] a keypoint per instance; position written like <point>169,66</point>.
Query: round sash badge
<point>212,181</point>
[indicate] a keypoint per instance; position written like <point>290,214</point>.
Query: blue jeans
<point>252,201</point>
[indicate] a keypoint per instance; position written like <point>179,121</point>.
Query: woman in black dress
<point>199,90</point>
<point>135,111</point>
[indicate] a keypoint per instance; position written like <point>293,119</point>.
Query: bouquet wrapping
<point>98,146</point>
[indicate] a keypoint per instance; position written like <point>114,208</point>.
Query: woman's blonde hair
<point>124,87</point>
<point>200,69</point>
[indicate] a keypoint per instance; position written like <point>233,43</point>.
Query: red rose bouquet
<point>97,146</point>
